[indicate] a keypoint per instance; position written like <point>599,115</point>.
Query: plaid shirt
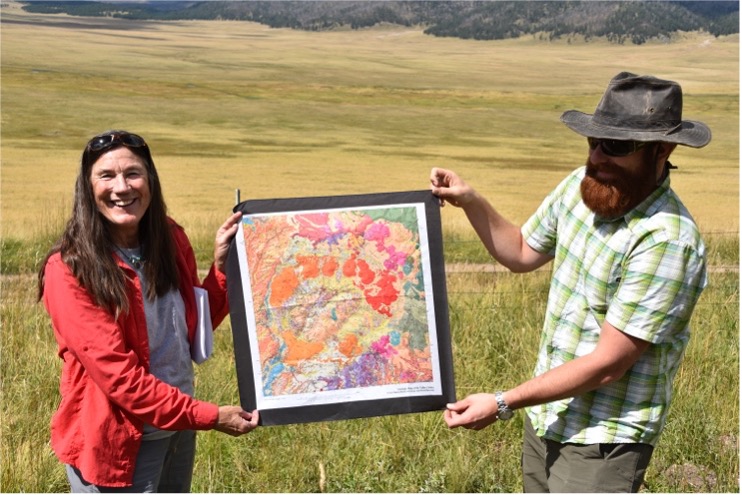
<point>643,273</point>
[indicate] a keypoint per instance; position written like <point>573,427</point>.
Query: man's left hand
<point>475,412</point>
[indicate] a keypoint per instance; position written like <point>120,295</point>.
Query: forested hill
<point>623,21</point>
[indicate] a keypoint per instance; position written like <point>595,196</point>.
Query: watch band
<point>503,410</point>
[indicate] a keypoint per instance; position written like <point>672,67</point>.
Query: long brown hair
<point>86,246</point>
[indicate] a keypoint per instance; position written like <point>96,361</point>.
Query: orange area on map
<point>299,350</point>
<point>349,346</point>
<point>329,266</point>
<point>358,268</point>
<point>283,286</point>
<point>309,265</point>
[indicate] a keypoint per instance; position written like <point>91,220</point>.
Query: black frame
<point>360,408</point>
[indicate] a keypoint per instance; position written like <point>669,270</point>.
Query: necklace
<point>133,256</point>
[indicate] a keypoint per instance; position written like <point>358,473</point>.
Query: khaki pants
<point>553,467</point>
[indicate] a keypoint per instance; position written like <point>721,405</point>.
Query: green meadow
<point>278,113</point>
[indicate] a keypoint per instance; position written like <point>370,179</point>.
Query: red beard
<point>605,200</point>
<point>615,198</point>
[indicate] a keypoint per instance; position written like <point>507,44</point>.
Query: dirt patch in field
<point>492,268</point>
<point>81,23</point>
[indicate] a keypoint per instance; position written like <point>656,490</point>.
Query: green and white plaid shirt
<point>643,273</point>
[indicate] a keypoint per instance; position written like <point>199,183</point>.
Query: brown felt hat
<point>640,108</point>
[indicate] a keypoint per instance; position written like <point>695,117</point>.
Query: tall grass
<point>495,320</point>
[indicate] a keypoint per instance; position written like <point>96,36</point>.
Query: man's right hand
<point>448,186</point>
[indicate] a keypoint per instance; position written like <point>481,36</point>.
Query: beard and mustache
<point>615,197</point>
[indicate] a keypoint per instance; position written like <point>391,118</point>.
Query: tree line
<point>618,21</point>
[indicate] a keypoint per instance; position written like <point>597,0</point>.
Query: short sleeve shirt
<point>643,273</point>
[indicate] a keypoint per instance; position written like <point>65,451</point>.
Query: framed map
<point>339,308</point>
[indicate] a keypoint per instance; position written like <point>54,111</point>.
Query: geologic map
<point>339,303</point>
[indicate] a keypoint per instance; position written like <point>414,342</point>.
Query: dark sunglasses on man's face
<point>615,147</point>
<point>102,142</point>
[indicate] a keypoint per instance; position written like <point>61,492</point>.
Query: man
<point>629,267</point>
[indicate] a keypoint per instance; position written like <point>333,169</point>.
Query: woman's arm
<point>104,347</point>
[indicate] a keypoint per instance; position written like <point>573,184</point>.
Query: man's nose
<point>596,154</point>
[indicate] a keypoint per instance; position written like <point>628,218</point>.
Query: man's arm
<point>615,353</point>
<point>502,238</point>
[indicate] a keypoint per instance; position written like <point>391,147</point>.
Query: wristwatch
<point>503,411</point>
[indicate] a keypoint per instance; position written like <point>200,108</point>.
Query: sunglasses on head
<point>102,142</point>
<point>615,147</point>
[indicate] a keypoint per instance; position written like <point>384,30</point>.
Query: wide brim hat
<point>640,108</point>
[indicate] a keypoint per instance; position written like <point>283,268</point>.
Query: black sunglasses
<point>615,147</point>
<point>102,142</point>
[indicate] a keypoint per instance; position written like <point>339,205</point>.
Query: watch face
<point>505,414</point>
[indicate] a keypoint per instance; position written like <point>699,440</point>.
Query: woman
<point>119,287</point>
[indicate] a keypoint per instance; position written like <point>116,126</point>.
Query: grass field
<point>280,113</point>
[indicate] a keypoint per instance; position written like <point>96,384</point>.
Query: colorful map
<point>338,299</point>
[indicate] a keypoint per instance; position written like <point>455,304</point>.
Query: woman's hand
<point>223,237</point>
<point>235,421</point>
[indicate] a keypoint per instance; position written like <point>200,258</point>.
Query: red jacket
<point>107,391</point>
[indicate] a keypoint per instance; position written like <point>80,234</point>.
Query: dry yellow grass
<point>280,113</point>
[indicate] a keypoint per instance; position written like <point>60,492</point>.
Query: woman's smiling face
<point>121,189</point>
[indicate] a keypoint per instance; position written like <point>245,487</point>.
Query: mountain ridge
<point>620,21</point>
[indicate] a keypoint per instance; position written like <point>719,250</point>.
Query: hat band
<point>666,126</point>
